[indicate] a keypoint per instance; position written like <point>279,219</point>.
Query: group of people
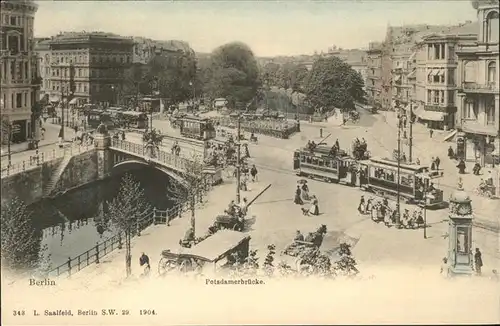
<point>302,196</point>
<point>359,149</point>
<point>381,211</point>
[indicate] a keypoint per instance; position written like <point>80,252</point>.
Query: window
<point>79,72</point>
<point>490,111</point>
<point>470,110</point>
<point>441,97</point>
<point>19,99</point>
<point>451,52</point>
<point>436,97</point>
<point>26,70</point>
<point>470,72</point>
<point>25,99</point>
<point>13,20</point>
<point>492,72</point>
<point>463,240</point>
<point>492,27</point>
<point>451,98</point>
<point>85,88</point>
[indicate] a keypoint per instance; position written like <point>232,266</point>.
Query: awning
<point>412,74</point>
<point>73,101</point>
<point>440,72</point>
<point>430,115</point>
<point>412,56</point>
<point>397,78</point>
<point>433,72</point>
<point>54,98</point>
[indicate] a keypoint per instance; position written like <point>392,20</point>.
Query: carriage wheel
<point>166,265</point>
<point>185,266</point>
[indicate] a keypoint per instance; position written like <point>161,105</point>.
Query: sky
<point>270,28</point>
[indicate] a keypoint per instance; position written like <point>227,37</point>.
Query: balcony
<point>472,87</point>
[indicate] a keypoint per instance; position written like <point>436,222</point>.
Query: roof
<point>216,246</point>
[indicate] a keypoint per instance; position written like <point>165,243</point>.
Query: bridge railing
<point>40,157</point>
<point>101,249</point>
<point>161,156</point>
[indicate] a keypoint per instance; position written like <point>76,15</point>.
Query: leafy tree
<point>134,82</point>
<point>127,212</point>
<point>233,74</point>
<point>346,265</point>
<point>297,77</point>
<point>270,74</point>
<point>4,128</point>
<point>172,74</point>
<point>21,243</point>
<point>332,83</point>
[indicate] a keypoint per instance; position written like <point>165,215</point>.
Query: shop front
<point>20,131</point>
<point>432,119</point>
<point>480,148</point>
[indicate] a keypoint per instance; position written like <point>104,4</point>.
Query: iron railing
<point>40,157</point>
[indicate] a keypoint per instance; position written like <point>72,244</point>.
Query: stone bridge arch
<point>130,164</point>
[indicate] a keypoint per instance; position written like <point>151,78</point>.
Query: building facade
<point>478,89</point>
<point>374,74</point>
<point>437,77</point>
<point>18,64</point>
<point>85,67</point>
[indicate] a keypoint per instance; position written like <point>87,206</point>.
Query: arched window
<point>470,72</point>
<point>492,72</point>
<point>492,25</point>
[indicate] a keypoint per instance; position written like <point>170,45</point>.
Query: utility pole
<point>410,142</point>
<point>425,208</point>
<point>62,112</point>
<point>9,139</point>
<point>398,211</point>
<point>238,167</point>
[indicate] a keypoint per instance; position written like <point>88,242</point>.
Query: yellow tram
<point>197,127</point>
<point>380,176</point>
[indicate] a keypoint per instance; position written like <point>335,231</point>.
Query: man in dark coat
<point>478,261</point>
<point>298,199</point>
<point>437,161</point>
<point>461,167</point>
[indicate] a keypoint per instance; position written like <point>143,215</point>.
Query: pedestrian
<point>298,199</point>
<point>417,161</point>
<point>444,267</point>
<point>478,262</point>
<point>431,132</point>
<point>144,261</point>
<point>305,192</point>
<point>337,144</point>
<point>43,133</point>
<point>461,167</point>
<point>438,161</point>
<point>253,173</point>
<point>314,210</point>
<point>361,206</point>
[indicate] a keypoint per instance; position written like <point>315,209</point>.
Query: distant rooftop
<point>67,36</point>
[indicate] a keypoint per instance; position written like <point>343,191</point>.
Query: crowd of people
<point>381,211</point>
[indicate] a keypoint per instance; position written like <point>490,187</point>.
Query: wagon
<point>229,222</point>
<point>218,251</point>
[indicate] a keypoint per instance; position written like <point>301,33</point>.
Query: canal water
<point>74,222</point>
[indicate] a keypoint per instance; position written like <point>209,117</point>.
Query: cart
<point>235,223</point>
<point>219,251</point>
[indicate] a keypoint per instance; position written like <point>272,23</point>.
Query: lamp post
<point>238,166</point>
<point>410,141</point>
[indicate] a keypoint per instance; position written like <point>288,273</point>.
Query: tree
<point>21,242</point>
<point>127,211</point>
<point>195,183</point>
<point>233,74</point>
<point>270,73</point>
<point>171,74</point>
<point>152,140</point>
<point>332,83</point>
<point>134,82</point>
<point>297,76</point>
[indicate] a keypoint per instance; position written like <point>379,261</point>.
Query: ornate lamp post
<point>460,256</point>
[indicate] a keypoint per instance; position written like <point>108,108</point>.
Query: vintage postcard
<point>250,162</point>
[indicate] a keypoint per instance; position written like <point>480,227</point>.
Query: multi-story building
<point>373,82</point>
<point>42,48</point>
<point>478,94</point>
<point>18,64</point>
<point>93,63</point>
<point>431,76</point>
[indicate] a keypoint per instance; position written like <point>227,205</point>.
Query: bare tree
<point>127,212</point>
<point>21,244</point>
<point>194,186</point>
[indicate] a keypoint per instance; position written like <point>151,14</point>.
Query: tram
<point>197,127</point>
<point>97,116</point>
<point>319,164</point>
<point>380,176</point>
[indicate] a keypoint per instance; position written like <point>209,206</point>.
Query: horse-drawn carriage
<point>295,253</point>
<point>220,250</point>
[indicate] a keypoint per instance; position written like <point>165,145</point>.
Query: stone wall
<point>29,185</point>
<point>82,169</point>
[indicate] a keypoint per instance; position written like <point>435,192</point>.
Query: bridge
<point>126,154</point>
